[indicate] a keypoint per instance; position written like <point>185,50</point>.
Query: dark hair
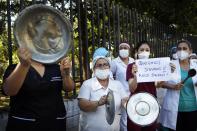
<point>141,43</point>
<point>172,51</point>
<point>185,41</point>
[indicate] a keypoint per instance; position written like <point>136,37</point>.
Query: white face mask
<point>144,55</point>
<point>124,53</point>
<point>175,56</point>
<point>102,74</point>
<point>182,55</point>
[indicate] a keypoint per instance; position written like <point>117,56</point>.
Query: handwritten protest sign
<point>193,63</point>
<point>154,69</point>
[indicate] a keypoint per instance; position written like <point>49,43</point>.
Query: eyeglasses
<point>104,65</point>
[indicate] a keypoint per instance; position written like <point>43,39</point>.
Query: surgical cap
<point>97,58</point>
<point>100,52</point>
<point>125,44</point>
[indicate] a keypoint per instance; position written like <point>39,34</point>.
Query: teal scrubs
<point>187,99</point>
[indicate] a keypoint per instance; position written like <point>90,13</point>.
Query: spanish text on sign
<point>154,69</point>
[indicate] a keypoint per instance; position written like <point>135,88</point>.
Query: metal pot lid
<point>110,107</point>
<point>142,109</point>
<point>45,31</point>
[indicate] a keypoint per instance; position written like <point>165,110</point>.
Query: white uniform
<point>169,110</point>
<point>96,121</point>
<point>119,68</point>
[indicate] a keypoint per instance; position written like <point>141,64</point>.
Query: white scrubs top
<point>119,68</point>
<point>92,90</point>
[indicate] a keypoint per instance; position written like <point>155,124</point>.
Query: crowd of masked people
<point>36,101</point>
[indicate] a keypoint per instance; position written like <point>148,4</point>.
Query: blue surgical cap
<point>100,52</point>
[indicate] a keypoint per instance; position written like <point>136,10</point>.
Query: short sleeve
<point>8,71</point>
<point>84,91</point>
<point>128,72</point>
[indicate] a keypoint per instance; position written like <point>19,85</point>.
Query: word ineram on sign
<point>154,69</point>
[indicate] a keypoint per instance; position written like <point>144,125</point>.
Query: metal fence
<point>100,23</point>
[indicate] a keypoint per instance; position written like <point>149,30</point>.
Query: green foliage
<point>180,14</point>
<point>3,62</point>
<point>4,55</point>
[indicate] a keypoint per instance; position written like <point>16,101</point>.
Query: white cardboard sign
<point>153,69</point>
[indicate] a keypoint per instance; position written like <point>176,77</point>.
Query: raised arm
<point>13,83</point>
<point>131,77</point>
<point>65,67</point>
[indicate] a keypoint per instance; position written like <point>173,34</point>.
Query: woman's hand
<point>124,102</point>
<point>178,86</point>
<point>173,67</point>
<point>24,56</point>
<point>134,69</point>
<point>159,84</point>
<point>102,100</point>
<point>13,83</point>
<point>65,66</point>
